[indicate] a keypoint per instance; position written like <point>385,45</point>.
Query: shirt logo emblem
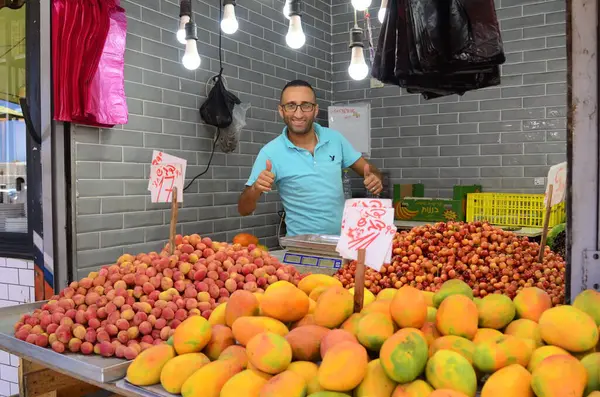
<point>332,158</point>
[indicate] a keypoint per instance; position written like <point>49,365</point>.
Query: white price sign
<point>557,178</point>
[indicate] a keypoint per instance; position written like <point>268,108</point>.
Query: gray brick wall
<point>114,212</point>
<point>502,137</point>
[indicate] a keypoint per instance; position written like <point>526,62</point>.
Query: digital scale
<point>312,253</point>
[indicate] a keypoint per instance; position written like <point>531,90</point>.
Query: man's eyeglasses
<point>304,106</point>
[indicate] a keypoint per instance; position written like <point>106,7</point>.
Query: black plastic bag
<point>439,47</point>
<point>217,110</point>
<point>475,39</point>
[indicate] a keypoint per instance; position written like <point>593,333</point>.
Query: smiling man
<point>306,162</point>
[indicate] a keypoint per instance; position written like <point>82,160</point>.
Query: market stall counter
<point>43,370</point>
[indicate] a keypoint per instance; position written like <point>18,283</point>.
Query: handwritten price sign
<point>557,178</point>
<point>368,225</point>
<point>163,178</point>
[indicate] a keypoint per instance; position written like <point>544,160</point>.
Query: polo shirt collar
<point>320,140</point>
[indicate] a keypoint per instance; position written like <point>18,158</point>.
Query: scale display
<point>312,261</point>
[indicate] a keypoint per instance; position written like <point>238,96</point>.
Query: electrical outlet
<point>376,83</point>
<point>539,181</point>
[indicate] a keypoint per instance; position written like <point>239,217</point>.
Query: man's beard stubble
<point>304,131</point>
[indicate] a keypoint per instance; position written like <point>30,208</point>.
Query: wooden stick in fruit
<point>359,281</point>
<point>173,230</point>
<point>546,221</point>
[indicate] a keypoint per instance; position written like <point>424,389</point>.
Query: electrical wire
<point>212,153</point>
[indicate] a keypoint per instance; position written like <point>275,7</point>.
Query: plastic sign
<point>368,224</point>
<point>557,178</point>
<point>163,178</point>
<point>166,172</point>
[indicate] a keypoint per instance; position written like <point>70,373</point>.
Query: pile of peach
<point>138,302</point>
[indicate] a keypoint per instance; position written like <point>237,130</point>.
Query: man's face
<point>298,109</point>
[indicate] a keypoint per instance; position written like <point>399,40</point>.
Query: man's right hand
<point>265,180</point>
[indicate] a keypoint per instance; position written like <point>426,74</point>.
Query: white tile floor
<point>16,287</point>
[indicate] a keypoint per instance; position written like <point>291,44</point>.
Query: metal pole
<point>582,148</point>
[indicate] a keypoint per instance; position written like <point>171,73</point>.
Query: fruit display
<point>493,345</point>
<point>487,258</point>
<point>139,301</point>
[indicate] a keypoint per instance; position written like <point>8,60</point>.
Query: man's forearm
<point>375,170</point>
<point>248,200</point>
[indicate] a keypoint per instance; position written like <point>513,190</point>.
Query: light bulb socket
<point>356,37</point>
<point>185,8</point>
<point>295,7</point>
<point>229,2</point>
<point>190,31</point>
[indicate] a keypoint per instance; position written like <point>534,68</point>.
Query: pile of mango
<point>306,341</point>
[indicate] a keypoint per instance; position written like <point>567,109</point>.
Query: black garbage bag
<point>384,63</point>
<point>440,47</point>
<point>217,109</point>
<point>475,39</point>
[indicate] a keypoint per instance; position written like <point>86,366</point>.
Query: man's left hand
<point>372,181</point>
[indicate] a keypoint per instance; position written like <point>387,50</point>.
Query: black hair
<point>298,83</point>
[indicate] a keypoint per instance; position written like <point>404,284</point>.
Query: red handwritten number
<point>164,172</point>
<point>376,225</point>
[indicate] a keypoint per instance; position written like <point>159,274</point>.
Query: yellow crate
<point>509,209</point>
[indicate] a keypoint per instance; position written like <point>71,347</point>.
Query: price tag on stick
<point>359,281</point>
<point>557,181</point>
<point>163,179</point>
<point>159,158</point>
<point>370,228</point>
<point>173,229</point>
<point>546,222</point>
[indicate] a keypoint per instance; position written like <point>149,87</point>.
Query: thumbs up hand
<point>265,180</point>
<point>372,181</point>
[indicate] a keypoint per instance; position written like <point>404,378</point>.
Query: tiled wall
<point>114,213</point>
<point>16,287</point>
<point>502,137</point>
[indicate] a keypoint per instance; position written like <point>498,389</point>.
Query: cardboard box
<point>434,209</point>
<point>408,190</point>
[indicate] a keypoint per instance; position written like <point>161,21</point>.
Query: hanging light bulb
<point>361,5</point>
<point>184,17</point>
<point>229,23</point>
<point>286,9</point>
<point>295,37</point>
<point>191,58</point>
<point>358,68</point>
<point>382,10</point>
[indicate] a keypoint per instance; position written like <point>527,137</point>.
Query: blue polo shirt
<point>310,186</point>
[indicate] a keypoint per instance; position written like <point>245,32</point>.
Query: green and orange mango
<point>531,302</point>
<point>404,355</point>
<point>192,335</point>
<point>569,328</point>
<point>343,367</point>
<point>559,376</point>
<point>513,380</point>
<point>457,315</point>
<point>269,352</point>
<point>334,306</point>
<point>374,329</point>
<point>145,369</point>
<point>449,370</point>
<point>408,308</point>
<point>177,370</point>
<point>496,311</point>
